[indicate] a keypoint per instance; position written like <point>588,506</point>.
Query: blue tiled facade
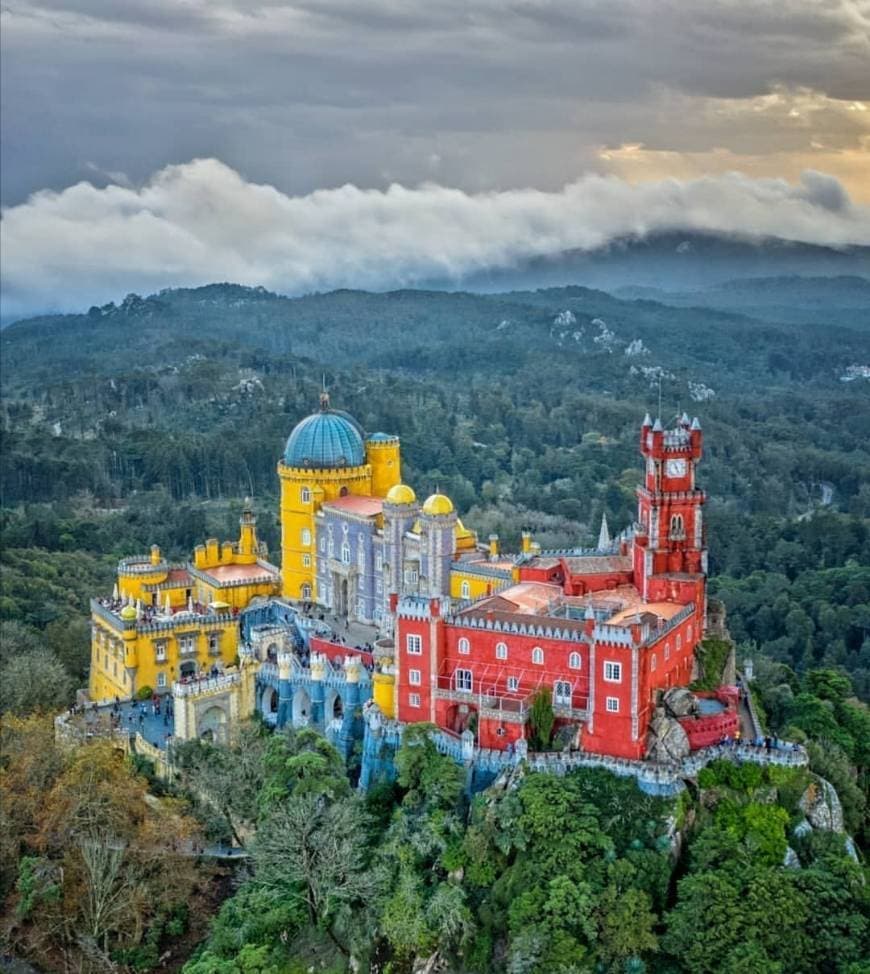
<point>362,560</point>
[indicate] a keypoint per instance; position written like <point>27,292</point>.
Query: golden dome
<point>400,494</point>
<point>128,613</point>
<point>438,504</point>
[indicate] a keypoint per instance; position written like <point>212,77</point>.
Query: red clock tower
<point>669,536</point>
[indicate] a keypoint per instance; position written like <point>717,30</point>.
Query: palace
<point>463,635</point>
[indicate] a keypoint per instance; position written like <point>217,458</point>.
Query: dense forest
<point>150,420</point>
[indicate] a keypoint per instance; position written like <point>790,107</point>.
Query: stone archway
<point>461,717</point>
<point>212,724</point>
<point>272,653</point>
<point>301,708</point>
<point>269,702</point>
<point>334,707</point>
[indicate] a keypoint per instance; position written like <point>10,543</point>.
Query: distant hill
<point>613,344</point>
<point>675,261</point>
<point>844,299</point>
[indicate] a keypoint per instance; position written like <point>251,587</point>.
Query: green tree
<point>541,720</point>
<point>33,682</point>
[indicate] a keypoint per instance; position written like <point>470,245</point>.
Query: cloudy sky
<point>484,110</point>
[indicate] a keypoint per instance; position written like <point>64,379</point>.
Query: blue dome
<point>327,440</point>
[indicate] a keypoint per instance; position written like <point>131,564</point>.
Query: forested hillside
<point>150,421</point>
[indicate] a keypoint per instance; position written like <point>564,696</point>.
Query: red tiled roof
<point>238,573</point>
<point>526,598</point>
<point>599,564</point>
<point>177,576</point>
<point>359,504</point>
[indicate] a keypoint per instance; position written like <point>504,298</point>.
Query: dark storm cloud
<point>478,94</point>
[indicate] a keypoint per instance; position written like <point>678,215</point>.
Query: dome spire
<point>324,394</point>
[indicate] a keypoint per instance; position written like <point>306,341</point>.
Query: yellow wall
<point>236,596</point>
<point>384,457</point>
<point>114,650</point>
<point>297,515</point>
<point>478,586</point>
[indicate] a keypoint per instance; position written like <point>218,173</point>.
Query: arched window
<point>501,651</point>
<point>679,642</point>
<point>305,495</point>
<point>306,537</point>
<point>689,631</point>
<point>538,656</point>
<point>561,693</point>
<point>462,680</point>
<point>465,590</point>
<point>464,646</point>
<point>574,661</point>
<point>677,528</point>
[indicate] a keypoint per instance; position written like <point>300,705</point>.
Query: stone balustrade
<point>207,685</point>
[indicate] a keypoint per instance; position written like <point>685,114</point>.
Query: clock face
<point>675,468</point>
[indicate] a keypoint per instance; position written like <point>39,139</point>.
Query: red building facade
<point>602,632</point>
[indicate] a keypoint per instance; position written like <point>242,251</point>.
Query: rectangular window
<point>513,684</point>
<point>613,672</point>
<point>463,680</point>
<point>306,561</point>
<point>414,644</point>
<point>161,679</point>
<point>414,678</point>
<point>613,705</point>
<point>667,651</point>
<point>379,561</point>
<point>160,651</point>
<point>322,545</point>
<point>414,699</point>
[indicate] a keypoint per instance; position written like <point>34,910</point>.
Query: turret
<point>247,535</point>
<point>526,538</point>
<point>383,455</point>
<point>155,554</point>
<point>645,427</point>
<point>493,547</point>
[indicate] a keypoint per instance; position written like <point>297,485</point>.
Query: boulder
<point>821,805</point>
<point>791,860</point>
<point>681,702</point>
<point>667,742</point>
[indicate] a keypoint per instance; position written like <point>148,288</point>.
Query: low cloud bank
<point>202,222</point>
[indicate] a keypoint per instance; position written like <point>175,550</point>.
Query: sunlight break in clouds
<point>201,222</point>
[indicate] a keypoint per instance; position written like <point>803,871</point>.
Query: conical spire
<point>167,606</point>
<point>603,535</point>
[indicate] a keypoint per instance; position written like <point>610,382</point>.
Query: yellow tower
<point>383,455</point>
<point>326,457</point>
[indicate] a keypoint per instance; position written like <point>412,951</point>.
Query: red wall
<point>337,651</point>
<point>493,672</point>
<point>407,661</point>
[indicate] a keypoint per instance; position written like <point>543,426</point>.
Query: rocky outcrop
<point>791,860</point>
<point>666,739</point>
<point>821,805</point>
<point>680,702</point>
